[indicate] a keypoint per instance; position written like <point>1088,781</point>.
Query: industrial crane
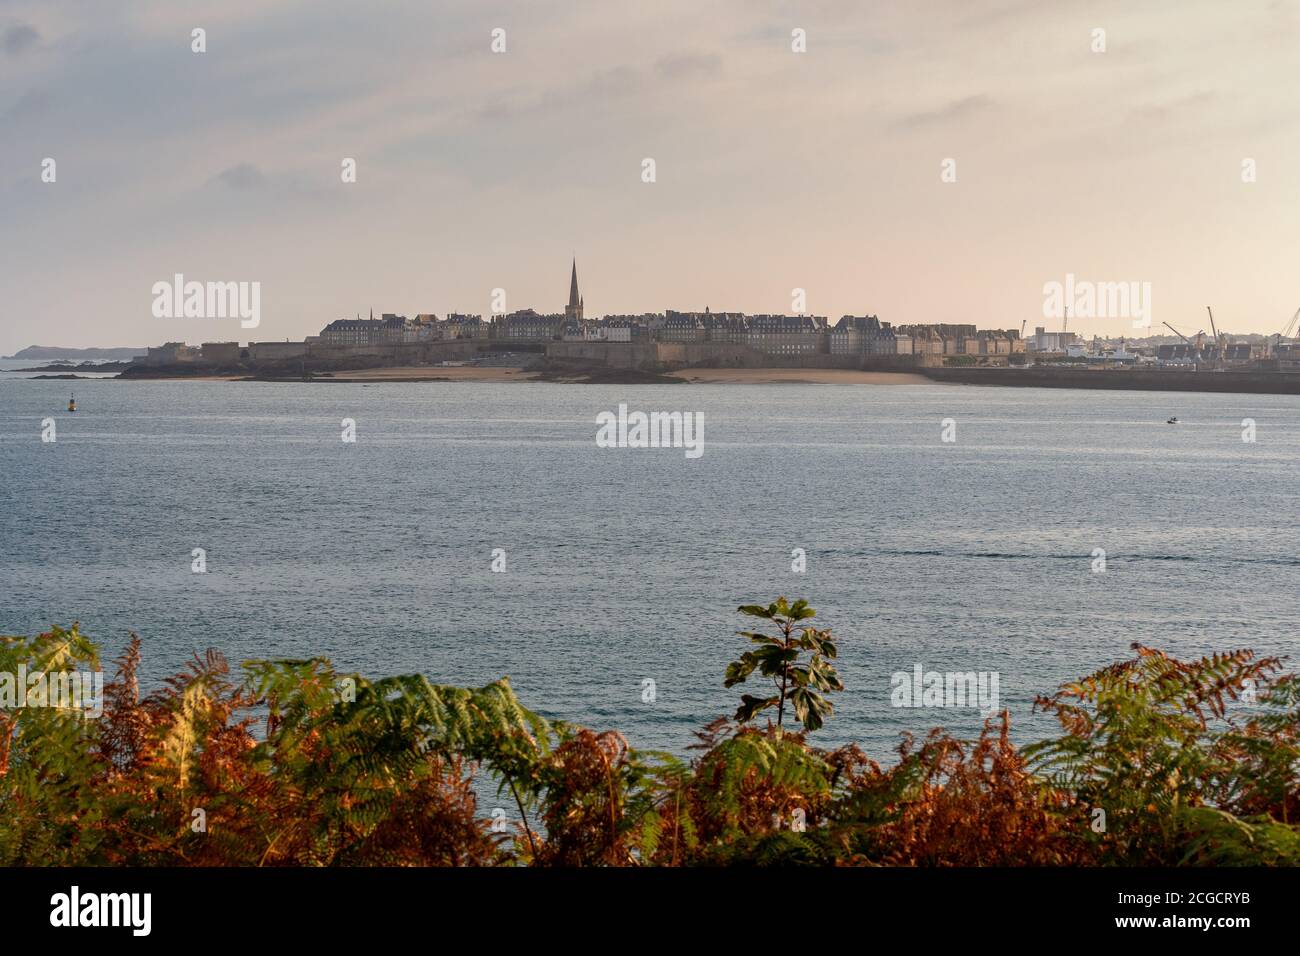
<point>1194,346</point>
<point>1220,342</point>
<point>1285,333</point>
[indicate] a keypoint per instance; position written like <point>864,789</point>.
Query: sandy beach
<point>703,376</point>
<point>433,373</point>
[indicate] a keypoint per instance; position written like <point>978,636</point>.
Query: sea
<point>1052,532</point>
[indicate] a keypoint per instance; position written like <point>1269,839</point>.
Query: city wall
<point>294,357</point>
<point>611,354</point>
<point>286,358</point>
<point>661,355</point>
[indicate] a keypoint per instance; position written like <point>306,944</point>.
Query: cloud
<point>227,157</point>
<point>18,39</point>
<point>603,85</point>
<point>615,83</point>
<point>688,65</point>
<point>31,104</point>
<point>241,176</point>
<point>1159,112</point>
<point>956,110</point>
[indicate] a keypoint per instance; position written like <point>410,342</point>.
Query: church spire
<point>574,309</point>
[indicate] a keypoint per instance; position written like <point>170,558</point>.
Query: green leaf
<point>800,611</point>
<point>738,671</point>
<point>750,705</point>
<point>773,660</point>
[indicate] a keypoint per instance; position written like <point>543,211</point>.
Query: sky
<point>829,170</point>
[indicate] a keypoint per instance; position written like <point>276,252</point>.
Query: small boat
<point>72,403</point>
<point>1172,421</point>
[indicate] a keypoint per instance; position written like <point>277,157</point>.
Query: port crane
<point>1194,346</point>
<point>1220,341</point>
<point>1285,333</point>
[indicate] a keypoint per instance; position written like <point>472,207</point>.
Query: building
<point>461,326</point>
<point>629,328</point>
<point>925,340</point>
<point>389,330</point>
<point>1232,352</point>
<point>1044,341</point>
<point>786,334</point>
<point>862,335</point>
<point>789,337</point>
<point>573,311</point>
<point>170,353</point>
<point>680,327</point>
<point>1179,353</point>
<point>588,330</point>
<point>220,353</point>
<point>988,342</point>
<point>1287,353</point>
<point>528,325</point>
<point>944,330</point>
<point>423,328</point>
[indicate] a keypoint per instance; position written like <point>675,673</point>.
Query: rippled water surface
<point>627,564</point>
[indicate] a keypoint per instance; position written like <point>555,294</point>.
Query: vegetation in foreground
<point>294,764</point>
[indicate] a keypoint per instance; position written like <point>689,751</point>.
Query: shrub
<point>1160,761</point>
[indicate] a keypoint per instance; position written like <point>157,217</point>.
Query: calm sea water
<point>627,565</point>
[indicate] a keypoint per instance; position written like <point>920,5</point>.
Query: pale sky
<point>775,170</point>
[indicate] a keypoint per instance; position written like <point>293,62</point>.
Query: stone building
<point>389,330</point>
<point>220,353</point>
<point>862,335</point>
<point>170,353</point>
<point>462,326</point>
<point>528,325</point>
